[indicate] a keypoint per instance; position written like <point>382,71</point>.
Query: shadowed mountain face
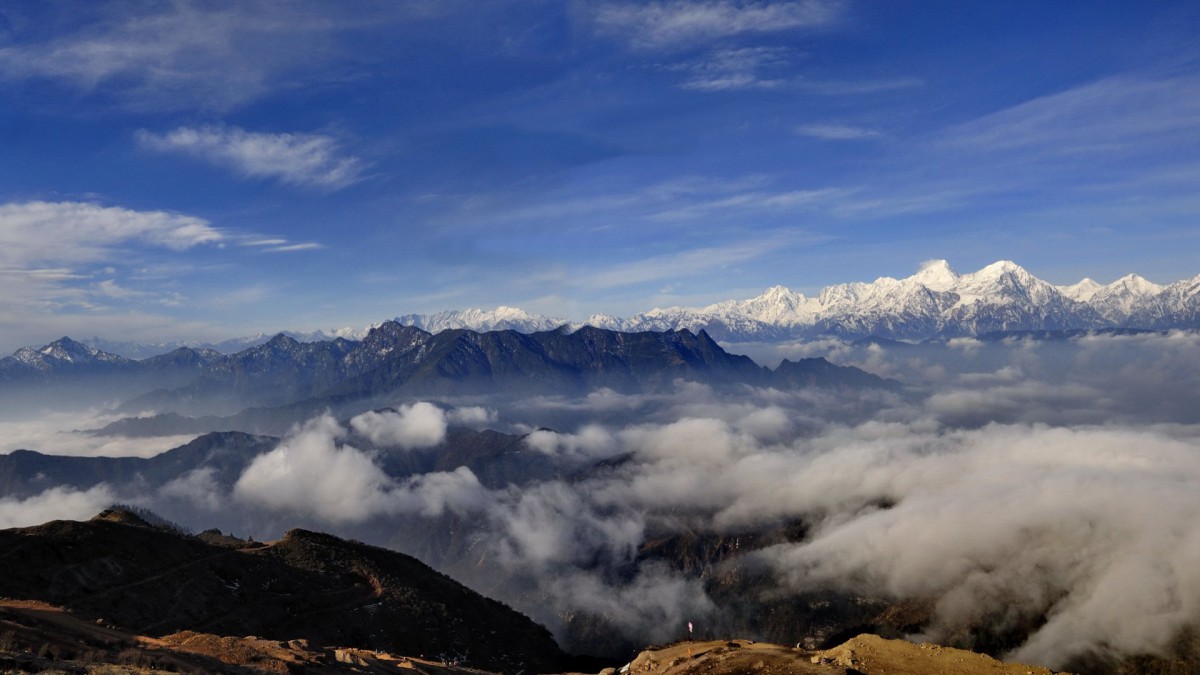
<point>24,472</point>
<point>395,357</point>
<point>305,586</point>
<point>403,360</point>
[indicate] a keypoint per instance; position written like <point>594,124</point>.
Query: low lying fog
<point>65,433</point>
<point>1020,479</point>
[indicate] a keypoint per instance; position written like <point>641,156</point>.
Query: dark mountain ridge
<point>394,357</point>
<point>310,586</point>
<point>269,387</point>
<point>24,473</point>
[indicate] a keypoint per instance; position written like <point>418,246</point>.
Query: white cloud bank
<point>1096,529</point>
<point>69,232</point>
<point>56,433</point>
<point>420,425</point>
<point>58,503</point>
<point>314,473</point>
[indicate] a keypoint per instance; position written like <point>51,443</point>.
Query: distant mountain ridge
<point>936,302</point>
<point>398,360</point>
<point>140,350</point>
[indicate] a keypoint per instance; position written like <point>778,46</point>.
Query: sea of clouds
<point>1044,483</point>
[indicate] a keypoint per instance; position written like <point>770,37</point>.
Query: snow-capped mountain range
<point>936,302</point>
<point>59,352</point>
<point>501,318</point>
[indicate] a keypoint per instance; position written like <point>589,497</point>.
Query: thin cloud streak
<point>677,23</point>
<point>677,265</point>
<point>1115,115</point>
<point>857,87</point>
<point>755,202</point>
<point>189,55</point>
<point>292,248</point>
<point>1115,124</point>
<point>310,160</point>
<point>733,69</point>
<point>770,68</point>
<point>836,132</point>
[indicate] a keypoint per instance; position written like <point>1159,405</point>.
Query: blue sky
<point>175,170</point>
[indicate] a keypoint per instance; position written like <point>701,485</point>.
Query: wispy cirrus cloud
<point>853,87</point>
<point>732,69</point>
<point>1116,115</point>
<point>690,263</point>
<point>676,23</point>
<point>292,248</point>
<point>309,160</point>
<point>772,68</point>
<point>178,56</point>
<point>1094,151</point>
<point>280,245</point>
<point>836,132</point>
<point>755,202</point>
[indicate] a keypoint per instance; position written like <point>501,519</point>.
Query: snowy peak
<point>1133,284</point>
<point>936,275</point>
<point>501,318</point>
<point>777,305</point>
<point>1123,298</point>
<point>1001,268</point>
<point>937,301</point>
<point>779,296</point>
<point>62,354</point>
<point>65,350</point>
<point>607,322</point>
<point>70,351</point>
<point>1007,283</point>
<point>997,277</point>
<point>1082,291</point>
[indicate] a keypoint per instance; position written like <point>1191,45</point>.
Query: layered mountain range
<point>397,360</point>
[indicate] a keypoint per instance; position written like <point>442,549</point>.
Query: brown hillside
<point>307,586</point>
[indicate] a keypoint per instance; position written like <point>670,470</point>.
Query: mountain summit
<point>936,275</point>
